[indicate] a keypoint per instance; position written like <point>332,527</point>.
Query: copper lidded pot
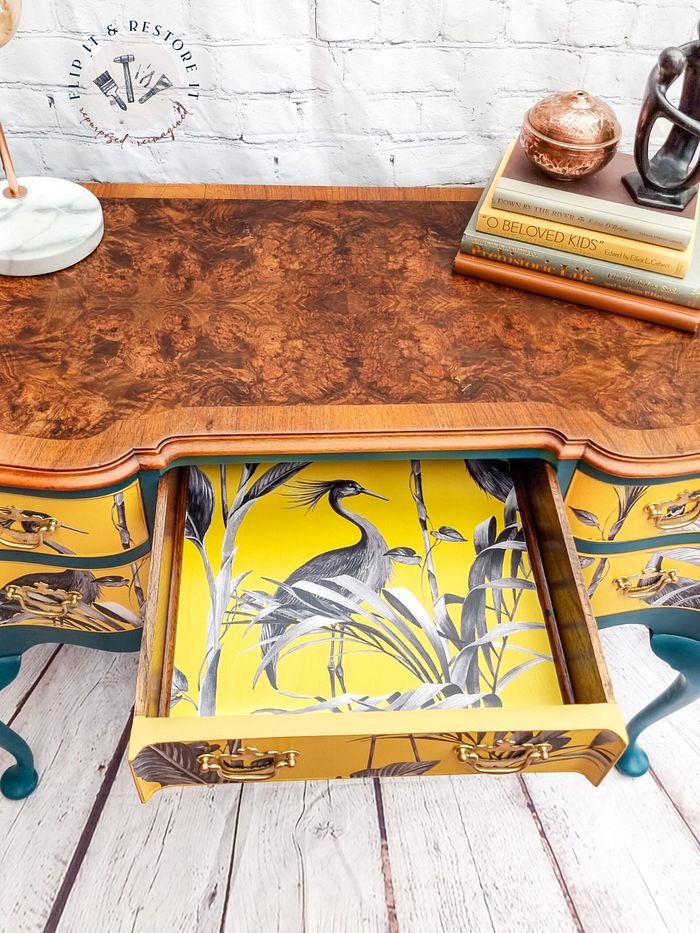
<point>570,135</point>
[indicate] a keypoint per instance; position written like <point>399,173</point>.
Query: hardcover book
<point>570,239</point>
<point>544,272</point>
<point>599,202</point>
<point>587,270</point>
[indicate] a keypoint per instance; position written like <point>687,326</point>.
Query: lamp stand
<point>46,224</point>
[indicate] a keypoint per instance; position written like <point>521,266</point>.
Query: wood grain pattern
<point>472,876</point>
<point>545,514</point>
<point>168,538</point>
<point>215,325</point>
<point>624,853</point>
<point>72,720</point>
<point>481,854</point>
<point>550,611</point>
<point>130,880</point>
<point>283,192</point>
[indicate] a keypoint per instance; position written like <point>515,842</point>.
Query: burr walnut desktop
<point>220,325</point>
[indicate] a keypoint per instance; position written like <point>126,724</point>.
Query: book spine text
<point>588,270</point>
<point>597,220</point>
<point>573,240</point>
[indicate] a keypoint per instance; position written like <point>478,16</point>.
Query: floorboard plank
<point>308,860</point>
<point>673,745</point>
<point>72,720</point>
<point>156,866</point>
<point>467,855</point>
<point>629,861</point>
<point>33,663</point>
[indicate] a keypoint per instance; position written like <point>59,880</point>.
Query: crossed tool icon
<point>108,85</point>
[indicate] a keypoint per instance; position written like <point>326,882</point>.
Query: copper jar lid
<point>570,135</point>
<point>575,118</point>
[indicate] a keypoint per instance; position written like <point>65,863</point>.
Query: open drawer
<point>368,618</point>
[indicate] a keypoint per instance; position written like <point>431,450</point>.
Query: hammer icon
<point>124,60</point>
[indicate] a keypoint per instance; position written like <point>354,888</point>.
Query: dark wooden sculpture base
<point>651,197</point>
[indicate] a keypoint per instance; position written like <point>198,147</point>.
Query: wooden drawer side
<point>155,657</point>
<point>545,519</point>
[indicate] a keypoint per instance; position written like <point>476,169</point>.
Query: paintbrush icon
<point>108,86</point>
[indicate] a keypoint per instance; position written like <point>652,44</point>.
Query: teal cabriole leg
<point>683,654</point>
<point>20,779</point>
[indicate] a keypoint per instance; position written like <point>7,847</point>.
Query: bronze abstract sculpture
<point>668,179</point>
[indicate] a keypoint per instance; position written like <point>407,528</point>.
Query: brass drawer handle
<point>635,587</point>
<point>515,757</point>
<point>19,539</point>
<point>658,512</point>
<point>33,599</point>
<point>253,765</point>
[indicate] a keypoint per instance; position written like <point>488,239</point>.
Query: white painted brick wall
<point>355,92</point>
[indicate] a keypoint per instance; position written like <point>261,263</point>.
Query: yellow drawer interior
<point>329,619</point>
<point>330,603</point>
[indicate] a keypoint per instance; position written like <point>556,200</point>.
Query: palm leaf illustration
<point>627,499</point>
<point>277,475</point>
<point>174,763</point>
<point>491,476</point>
<point>685,593</point>
<point>397,769</point>
<point>200,506</point>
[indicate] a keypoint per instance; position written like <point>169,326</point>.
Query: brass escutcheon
<point>658,512</point>
<point>21,540</point>
<point>253,765</point>
<point>34,599</point>
<point>635,587</point>
<point>514,757</point>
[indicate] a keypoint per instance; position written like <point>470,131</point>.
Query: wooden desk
<point>218,322</point>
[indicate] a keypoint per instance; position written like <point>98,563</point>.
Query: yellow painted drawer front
<point>355,616</point>
<point>91,527</point>
<point>606,512</point>
<point>591,752</point>
<point>98,601</point>
<point>618,582</point>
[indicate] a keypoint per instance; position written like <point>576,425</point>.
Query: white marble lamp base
<point>56,224</point>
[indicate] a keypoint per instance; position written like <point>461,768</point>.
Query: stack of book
<point>585,241</point>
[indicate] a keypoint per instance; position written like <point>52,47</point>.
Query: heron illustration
<point>82,581</point>
<point>367,561</point>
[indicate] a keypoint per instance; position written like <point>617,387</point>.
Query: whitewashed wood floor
<point>498,855</point>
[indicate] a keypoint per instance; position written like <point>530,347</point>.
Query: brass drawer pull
<point>34,599</point>
<point>22,540</point>
<point>635,587</point>
<point>663,517</point>
<point>252,764</point>
<point>515,757</point>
